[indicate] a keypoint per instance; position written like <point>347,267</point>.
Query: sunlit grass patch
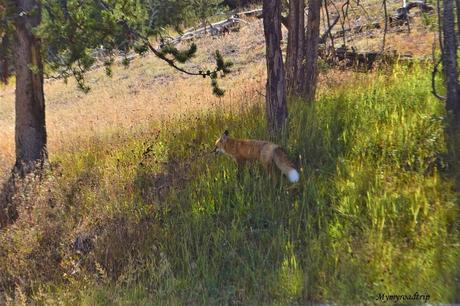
<point>169,222</point>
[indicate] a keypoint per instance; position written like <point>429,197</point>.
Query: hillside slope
<point>147,91</point>
<point>136,211</point>
<point>150,90</point>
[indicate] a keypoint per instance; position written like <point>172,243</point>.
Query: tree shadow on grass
<point>8,212</point>
<point>238,240</point>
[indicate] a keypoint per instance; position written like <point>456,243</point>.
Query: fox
<point>267,153</point>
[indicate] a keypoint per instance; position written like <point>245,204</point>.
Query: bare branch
<point>330,26</point>
<point>386,25</point>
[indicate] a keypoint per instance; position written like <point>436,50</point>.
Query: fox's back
<point>247,149</point>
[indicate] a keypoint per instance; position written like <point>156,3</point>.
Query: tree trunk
<point>4,60</point>
<point>311,49</point>
<point>449,59</point>
<point>275,97</point>
<point>458,15</point>
<point>30,101</point>
<point>295,48</point>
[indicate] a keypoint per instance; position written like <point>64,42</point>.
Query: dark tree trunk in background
<point>4,60</point>
<point>449,60</point>
<point>311,49</point>
<point>30,101</point>
<point>295,48</point>
<point>276,88</point>
<point>458,15</point>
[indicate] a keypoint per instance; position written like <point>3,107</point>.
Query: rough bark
<point>275,88</point>
<point>458,15</point>
<point>30,101</point>
<point>295,47</point>
<point>450,59</point>
<point>311,49</point>
<point>4,60</point>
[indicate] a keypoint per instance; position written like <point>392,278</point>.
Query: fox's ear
<point>226,133</point>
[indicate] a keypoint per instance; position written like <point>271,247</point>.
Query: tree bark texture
<point>30,101</point>
<point>275,97</point>
<point>449,59</point>
<point>4,60</point>
<point>311,49</point>
<point>295,47</point>
<point>458,15</point>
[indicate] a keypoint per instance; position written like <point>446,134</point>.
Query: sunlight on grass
<point>170,223</point>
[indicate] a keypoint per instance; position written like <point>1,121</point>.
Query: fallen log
<point>252,13</point>
<point>358,59</point>
<point>231,24</point>
<point>361,60</point>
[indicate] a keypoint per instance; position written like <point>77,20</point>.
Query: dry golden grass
<point>146,91</point>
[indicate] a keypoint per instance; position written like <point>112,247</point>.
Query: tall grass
<point>170,223</point>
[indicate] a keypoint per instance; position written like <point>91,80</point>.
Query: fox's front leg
<point>240,165</point>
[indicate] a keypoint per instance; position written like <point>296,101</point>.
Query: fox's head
<point>220,143</point>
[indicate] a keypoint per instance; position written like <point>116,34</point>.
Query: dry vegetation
<point>135,212</point>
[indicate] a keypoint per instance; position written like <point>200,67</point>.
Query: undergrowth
<point>160,220</point>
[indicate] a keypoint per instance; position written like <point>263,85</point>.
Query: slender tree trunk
<point>276,88</point>
<point>311,49</point>
<point>30,101</point>
<point>291,52</point>
<point>295,48</point>
<point>449,59</point>
<point>4,60</point>
<point>458,15</point>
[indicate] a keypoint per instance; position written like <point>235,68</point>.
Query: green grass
<point>374,212</point>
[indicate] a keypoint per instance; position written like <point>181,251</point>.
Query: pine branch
<point>179,56</point>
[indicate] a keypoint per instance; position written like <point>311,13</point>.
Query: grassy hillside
<point>148,91</point>
<point>135,210</point>
<point>159,220</point>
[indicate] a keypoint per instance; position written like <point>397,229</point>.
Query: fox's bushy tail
<point>284,164</point>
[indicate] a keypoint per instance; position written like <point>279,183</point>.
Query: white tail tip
<point>293,176</point>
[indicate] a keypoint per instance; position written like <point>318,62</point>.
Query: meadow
<point>135,210</point>
<point>156,219</point>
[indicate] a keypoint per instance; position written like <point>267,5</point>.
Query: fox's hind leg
<point>268,167</point>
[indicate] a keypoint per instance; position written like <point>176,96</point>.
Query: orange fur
<point>267,153</point>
